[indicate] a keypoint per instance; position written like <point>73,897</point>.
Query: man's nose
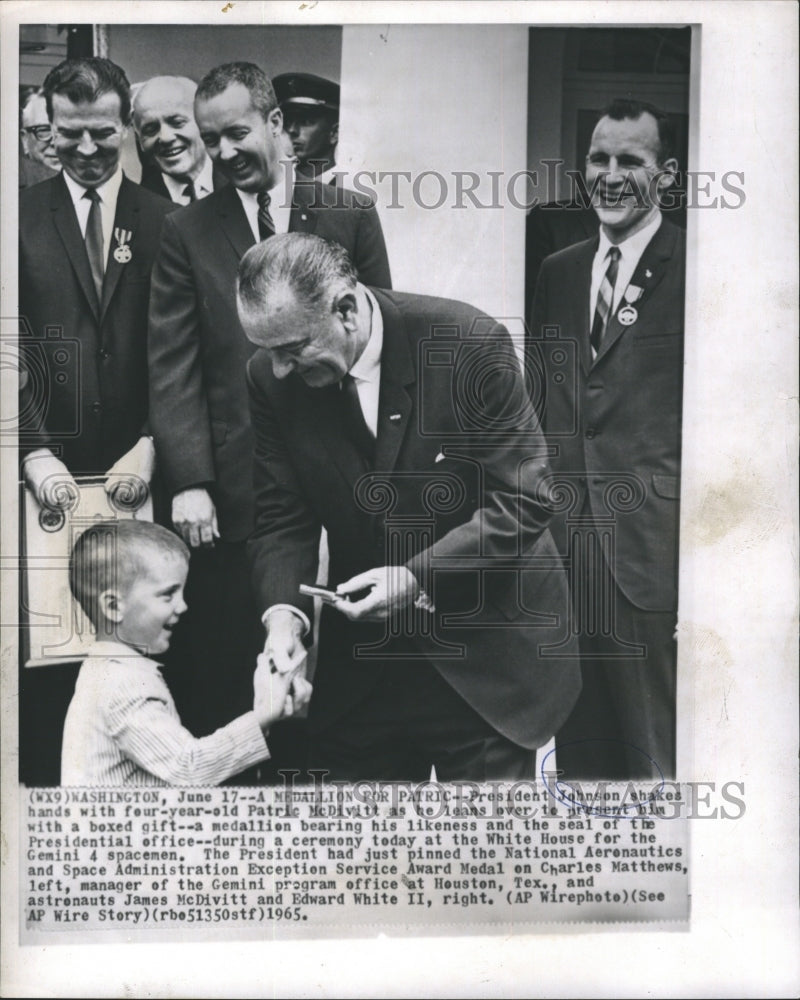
<point>293,129</point>
<point>281,367</point>
<point>86,144</point>
<point>165,134</point>
<point>227,149</point>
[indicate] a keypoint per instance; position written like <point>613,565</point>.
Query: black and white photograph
<point>399,482</point>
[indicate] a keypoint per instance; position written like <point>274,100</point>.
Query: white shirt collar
<point>108,190</point>
<point>112,649</point>
<point>203,185</point>
<point>368,367</point>
<point>280,207</point>
<point>632,248</point>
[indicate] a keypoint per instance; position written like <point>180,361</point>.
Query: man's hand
<point>129,475</point>
<point>50,480</point>
<point>392,588</point>
<point>284,643</point>
<point>195,517</point>
<point>277,695</point>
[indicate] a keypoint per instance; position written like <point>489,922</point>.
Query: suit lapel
<point>126,219</point>
<point>303,217</point>
<point>397,372</point>
<point>579,303</point>
<point>66,223</point>
<point>649,271</point>
<point>232,220</point>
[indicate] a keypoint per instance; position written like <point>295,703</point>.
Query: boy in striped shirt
<point>122,727</point>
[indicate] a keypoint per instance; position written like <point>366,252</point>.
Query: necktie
<point>189,192</point>
<point>355,424</point>
<point>94,242</point>
<point>266,227</point>
<point>605,298</point>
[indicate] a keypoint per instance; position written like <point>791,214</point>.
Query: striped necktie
<point>605,299</point>
<point>266,227</point>
<point>94,241</point>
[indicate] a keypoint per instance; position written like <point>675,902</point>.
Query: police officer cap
<point>306,91</point>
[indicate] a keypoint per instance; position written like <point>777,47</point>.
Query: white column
<point>435,102</point>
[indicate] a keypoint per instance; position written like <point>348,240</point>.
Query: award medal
<point>122,252</point>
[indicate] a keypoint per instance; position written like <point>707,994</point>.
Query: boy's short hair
<point>111,555</point>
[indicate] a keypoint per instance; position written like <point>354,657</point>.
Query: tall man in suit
<point>400,423</point>
<point>88,238</point>
<point>608,333</point>
<point>175,162</point>
<point>198,354</point>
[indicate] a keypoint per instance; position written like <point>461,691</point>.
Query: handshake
<point>276,694</point>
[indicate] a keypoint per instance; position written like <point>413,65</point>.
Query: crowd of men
<point>242,354</point>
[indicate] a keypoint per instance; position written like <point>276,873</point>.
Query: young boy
<point>122,727</point>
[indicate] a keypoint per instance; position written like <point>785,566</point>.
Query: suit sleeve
<point>515,505</point>
<point>370,257</point>
<point>534,360</point>
<point>178,419</point>
<point>284,545</point>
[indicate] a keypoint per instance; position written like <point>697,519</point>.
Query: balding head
<point>163,116</point>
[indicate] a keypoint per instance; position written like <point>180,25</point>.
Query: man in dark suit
<point>88,238</point>
<point>401,425</point>
<point>198,353</point>
<point>607,335</point>
<point>175,163</point>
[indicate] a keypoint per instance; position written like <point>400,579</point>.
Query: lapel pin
<point>122,253</point>
<point>439,457</point>
<point>395,416</point>
<point>648,273</point>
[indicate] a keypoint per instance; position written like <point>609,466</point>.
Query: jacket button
<point>590,432</point>
<point>103,355</point>
<point>96,407</point>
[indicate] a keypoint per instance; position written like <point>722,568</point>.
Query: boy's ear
<point>111,606</point>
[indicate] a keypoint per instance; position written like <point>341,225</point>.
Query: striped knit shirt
<point>122,728</point>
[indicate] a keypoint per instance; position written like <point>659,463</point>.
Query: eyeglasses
<point>42,132</point>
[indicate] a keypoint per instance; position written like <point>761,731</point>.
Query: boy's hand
<point>277,694</point>
<point>50,480</point>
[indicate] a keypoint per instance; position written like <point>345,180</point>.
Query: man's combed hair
<point>111,555</point>
<point>84,80</point>
<point>622,108</point>
<point>303,263</point>
<point>250,76</point>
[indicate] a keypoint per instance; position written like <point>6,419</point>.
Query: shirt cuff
<point>287,607</point>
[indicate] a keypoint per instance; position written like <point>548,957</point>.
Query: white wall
<point>442,98</point>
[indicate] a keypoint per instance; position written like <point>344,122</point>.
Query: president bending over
<point>401,424</point>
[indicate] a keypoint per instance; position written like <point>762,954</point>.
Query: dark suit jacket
<point>153,180</point>
<point>460,451</point>
<point>622,413</point>
<point>92,356</point>
<point>198,351</point>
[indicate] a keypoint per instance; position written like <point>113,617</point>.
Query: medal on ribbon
<point>628,314</point>
<point>122,252</point>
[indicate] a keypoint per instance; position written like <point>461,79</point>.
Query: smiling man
<point>87,241</point>
<point>39,159</point>
<point>163,116</point>
<point>612,415</point>
<point>198,354</point>
<point>373,410</point>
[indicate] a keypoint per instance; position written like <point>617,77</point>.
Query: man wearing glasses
<point>39,159</point>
